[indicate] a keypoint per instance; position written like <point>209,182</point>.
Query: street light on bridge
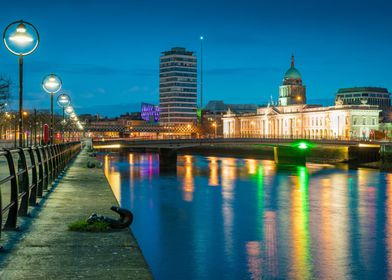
<point>51,84</point>
<point>21,38</point>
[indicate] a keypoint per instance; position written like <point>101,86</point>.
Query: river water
<point>230,218</point>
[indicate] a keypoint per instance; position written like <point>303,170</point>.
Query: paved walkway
<point>47,250</point>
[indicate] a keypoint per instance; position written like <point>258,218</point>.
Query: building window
<point>364,121</point>
<point>355,121</point>
<point>373,121</point>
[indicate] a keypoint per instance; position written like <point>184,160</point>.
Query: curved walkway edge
<point>46,249</point>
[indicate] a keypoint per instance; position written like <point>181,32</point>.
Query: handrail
<point>36,168</point>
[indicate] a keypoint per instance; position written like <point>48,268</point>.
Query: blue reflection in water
<point>227,218</point>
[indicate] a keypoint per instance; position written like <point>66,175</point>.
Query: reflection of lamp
<point>51,84</point>
<point>21,38</point>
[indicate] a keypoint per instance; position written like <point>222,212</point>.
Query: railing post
<point>23,183</point>
<point>46,166</point>
<point>40,172</point>
<point>34,188</point>
<point>13,210</point>
<point>50,165</point>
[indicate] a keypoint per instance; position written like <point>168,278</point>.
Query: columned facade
<point>293,118</point>
<point>301,121</point>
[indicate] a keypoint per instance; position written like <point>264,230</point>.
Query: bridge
<point>124,143</point>
<point>281,149</point>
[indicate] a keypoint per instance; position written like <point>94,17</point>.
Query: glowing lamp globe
<point>63,100</point>
<point>51,83</point>
<point>69,110</point>
<point>21,38</point>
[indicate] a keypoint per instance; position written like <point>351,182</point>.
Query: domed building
<point>293,118</point>
<point>292,91</point>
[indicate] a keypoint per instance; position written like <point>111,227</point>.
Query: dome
<point>292,73</point>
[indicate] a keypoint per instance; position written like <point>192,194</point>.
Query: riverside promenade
<point>44,248</point>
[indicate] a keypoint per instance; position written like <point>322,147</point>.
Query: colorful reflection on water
<point>229,218</point>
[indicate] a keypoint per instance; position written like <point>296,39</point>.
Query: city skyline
<point>246,49</point>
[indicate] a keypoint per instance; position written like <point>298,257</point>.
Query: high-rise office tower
<point>178,86</point>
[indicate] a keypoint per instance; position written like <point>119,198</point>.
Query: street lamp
<point>69,110</point>
<point>201,79</point>
<point>51,84</point>
<point>215,127</point>
<point>21,38</point>
<point>63,100</point>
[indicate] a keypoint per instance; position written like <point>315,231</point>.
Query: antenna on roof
<point>292,60</point>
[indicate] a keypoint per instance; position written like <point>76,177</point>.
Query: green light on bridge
<point>302,144</point>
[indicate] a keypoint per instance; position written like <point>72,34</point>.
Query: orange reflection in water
<point>131,178</point>
<point>229,174</point>
<point>229,171</point>
<point>389,224</point>
<point>332,227</point>
<point>213,180</point>
<point>271,245</point>
<point>188,185</point>
<point>253,251</point>
<point>113,178</point>
<point>252,166</point>
<point>367,195</point>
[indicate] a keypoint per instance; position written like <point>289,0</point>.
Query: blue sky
<point>107,52</point>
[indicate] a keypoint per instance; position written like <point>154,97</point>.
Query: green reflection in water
<point>302,258</point>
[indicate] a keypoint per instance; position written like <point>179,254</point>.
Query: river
<point>232,218</point>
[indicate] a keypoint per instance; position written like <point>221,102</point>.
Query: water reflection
<point>228,218</point>
<point>188,182</point>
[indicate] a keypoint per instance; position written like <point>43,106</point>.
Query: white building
<point>292,118</point>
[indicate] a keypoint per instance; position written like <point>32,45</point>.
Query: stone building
<point>293,118</point>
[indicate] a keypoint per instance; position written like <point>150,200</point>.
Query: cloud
<point>100,90</point>
<point>138,89</point>
<point>111,110</point>
<point>89,69</point>
<point>241,70</point>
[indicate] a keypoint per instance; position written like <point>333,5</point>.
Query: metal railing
<point>31,171</point>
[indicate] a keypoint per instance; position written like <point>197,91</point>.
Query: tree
<point>5,85</point>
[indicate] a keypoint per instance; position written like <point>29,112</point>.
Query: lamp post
<point>215,127</point>
<point>68,110</point>
<point>63,100</point>
<point>201,79</point>
<point>201,71</point>
<point>21,38</point>
<point>25,138</point>
<point>51,84</point>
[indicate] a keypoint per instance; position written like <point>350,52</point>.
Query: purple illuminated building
<point>150,112</point>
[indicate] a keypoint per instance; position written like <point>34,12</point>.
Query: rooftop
<point>178,51</point>
<point>363,89</point>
